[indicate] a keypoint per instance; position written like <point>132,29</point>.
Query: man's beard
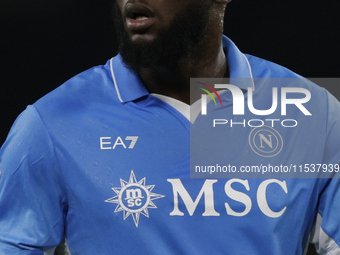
<point>179,41</point>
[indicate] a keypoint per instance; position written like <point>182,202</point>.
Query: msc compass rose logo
<point>134,198</point>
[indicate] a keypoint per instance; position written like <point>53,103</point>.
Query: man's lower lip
<point>139,25</point>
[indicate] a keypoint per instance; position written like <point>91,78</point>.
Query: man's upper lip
<point>132,10</point>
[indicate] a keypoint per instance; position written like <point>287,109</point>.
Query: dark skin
<point>208,61</point>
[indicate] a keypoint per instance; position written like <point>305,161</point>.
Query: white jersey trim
<point>324,244</point>
<point>190,112</point>
<point>180,106</point>
<point>115,81</point>
<point>250,72</point>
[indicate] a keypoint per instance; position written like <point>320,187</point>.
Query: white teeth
<point>141,18</point>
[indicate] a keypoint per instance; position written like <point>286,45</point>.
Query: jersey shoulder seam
<point>51,139</point>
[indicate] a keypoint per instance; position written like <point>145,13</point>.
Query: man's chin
<point>168,47</point>
<point>142,39</point>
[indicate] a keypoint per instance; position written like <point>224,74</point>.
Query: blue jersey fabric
<point>106,164</point>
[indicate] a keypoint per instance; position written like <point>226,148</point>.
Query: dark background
<point>45,42</point>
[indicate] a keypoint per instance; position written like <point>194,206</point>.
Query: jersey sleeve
<point>32,198</point>
<point>326,232</point>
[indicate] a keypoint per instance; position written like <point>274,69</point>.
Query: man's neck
<point>209,62</point>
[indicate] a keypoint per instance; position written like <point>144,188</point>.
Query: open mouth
<point>138,12</point>
<point>138,16</point>
<point>141,17</point>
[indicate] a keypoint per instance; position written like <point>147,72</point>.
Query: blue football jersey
<point>104,163</point>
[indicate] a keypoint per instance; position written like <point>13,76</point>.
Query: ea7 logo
<point>107,143</point>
